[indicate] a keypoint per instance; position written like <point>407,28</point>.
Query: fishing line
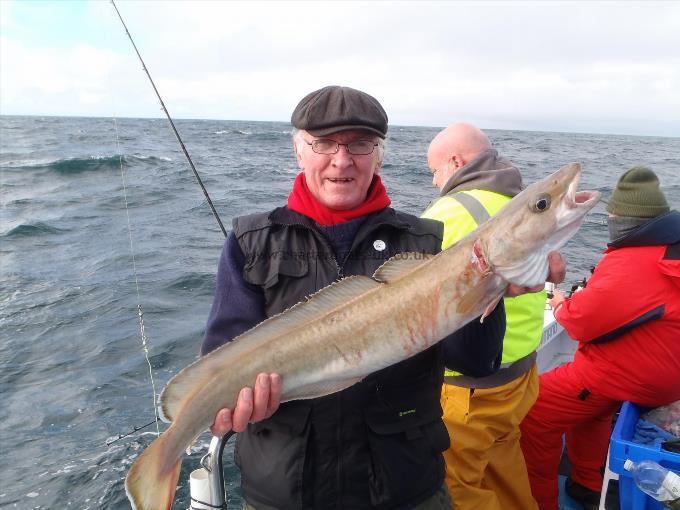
<point>134,429</point>
<point>172,124</point>
<point>140,310</point>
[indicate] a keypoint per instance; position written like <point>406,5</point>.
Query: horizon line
<point>287,122</point>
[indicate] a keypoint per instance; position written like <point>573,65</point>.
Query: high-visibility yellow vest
<point>461,213</point>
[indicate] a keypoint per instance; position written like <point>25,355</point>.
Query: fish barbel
<point>360,325</point>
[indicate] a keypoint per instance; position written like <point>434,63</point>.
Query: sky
<point>578,66</point>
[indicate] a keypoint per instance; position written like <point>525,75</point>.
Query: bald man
<point>485,467</point>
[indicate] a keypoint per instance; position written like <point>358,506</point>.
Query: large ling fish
<point>360,324</point>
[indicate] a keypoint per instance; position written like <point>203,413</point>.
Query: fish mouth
<point>573,208</point>
<point>575,199</point>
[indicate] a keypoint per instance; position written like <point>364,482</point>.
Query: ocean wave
<point>232,132</point>
<point>32,229</point>
<point>149,158</point>
<point>69,166</point>
<point>258,135</point>
<point>271,136</point>
<point>19,202</point>
<point>192,282</point>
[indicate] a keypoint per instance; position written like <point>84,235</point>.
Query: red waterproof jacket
<point>627,319</point>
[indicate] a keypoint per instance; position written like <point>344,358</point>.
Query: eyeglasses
<point>358,148</point>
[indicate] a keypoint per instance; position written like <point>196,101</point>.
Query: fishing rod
<point>209,492</point>
<point>172,124</point>
<point>205,193</point>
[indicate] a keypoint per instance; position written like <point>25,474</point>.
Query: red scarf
<point>302,201</point>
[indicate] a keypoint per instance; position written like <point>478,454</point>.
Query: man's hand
<point>252,405</point>
<point>557,270</point>
<point>557,267</point>
<point>557,299</point>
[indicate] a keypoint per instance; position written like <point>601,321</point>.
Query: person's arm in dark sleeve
<point>237,306</point>
<point>475,349</point>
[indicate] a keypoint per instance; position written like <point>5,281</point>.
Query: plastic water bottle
<point>655,480</point>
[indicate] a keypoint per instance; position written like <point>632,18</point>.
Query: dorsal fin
<point>188,380</point>
<point>400,265</point>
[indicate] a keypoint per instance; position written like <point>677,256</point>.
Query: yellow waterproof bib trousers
<point>485,466</point>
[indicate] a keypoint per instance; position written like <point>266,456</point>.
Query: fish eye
<point>541,204</point>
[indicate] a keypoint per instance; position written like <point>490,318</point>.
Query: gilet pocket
<point>405,443</point>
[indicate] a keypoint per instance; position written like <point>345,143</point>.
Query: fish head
<point>542,218</point>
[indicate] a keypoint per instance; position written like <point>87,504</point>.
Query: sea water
<point>84,243</point>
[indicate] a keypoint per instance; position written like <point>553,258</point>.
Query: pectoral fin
<point>490,308</point>
<point>472,298</point>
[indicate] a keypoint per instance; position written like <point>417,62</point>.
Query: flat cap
<point>334,108</point>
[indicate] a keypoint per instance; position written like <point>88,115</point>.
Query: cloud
<point>585,66</point>
<point>60,81</point>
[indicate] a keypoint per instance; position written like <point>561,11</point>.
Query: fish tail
<point>152,480</point>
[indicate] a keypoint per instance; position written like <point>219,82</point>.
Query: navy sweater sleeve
<point>476,349</point>
<point>237,306</point>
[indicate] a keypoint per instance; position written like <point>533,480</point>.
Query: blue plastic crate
<point>621,447</point>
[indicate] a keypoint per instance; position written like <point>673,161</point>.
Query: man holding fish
<point>359,448</point>
<point>353,308</point>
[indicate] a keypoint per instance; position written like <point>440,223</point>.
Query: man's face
<point>339,181</point>
<point>441,168</point>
